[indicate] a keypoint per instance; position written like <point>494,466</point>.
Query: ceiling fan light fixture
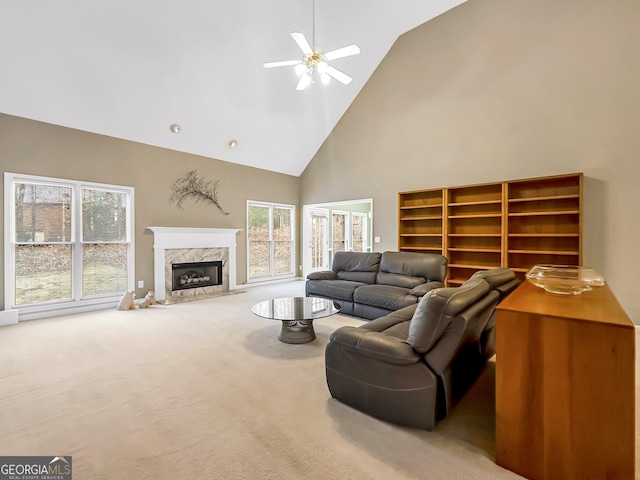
<point>322,67</point>
<point>314,59</point>
<point>305,79</point>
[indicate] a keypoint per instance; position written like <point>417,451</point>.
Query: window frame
<point>77,303</point>
<point>272,276</point>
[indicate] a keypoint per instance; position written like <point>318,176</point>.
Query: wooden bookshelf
<point>516,224</point>
<point>474,229</point>
<point>420,216</point>
<point>544,221</point>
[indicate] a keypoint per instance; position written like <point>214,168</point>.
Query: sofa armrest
<point>385,348</point>
<point>422,289</point>
<point>325,275</point>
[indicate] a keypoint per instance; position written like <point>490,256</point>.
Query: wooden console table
<point>565,385</point>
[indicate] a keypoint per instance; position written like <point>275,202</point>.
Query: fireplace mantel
<point>170,238</point>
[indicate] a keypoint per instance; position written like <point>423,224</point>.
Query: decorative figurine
<point>126,302</point>
<point>149,299</point>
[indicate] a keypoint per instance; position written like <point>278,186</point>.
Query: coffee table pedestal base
<point>297,331</point>
<point>297,315</point>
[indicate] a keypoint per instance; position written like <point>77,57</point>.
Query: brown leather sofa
<point>370,285</point>
<point>411,366</point>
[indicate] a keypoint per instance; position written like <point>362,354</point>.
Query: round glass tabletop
<point>296,308</point>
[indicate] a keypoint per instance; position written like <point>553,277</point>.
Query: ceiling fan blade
<point>284,63</point>
<point>338,75</point>
<point>342,52</point>
<point>302,42</point>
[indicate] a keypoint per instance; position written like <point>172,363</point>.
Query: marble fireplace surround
<point>183,244</point>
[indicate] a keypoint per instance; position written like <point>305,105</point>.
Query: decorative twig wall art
<point>197,189</point>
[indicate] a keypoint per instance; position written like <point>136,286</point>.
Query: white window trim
<point>77,305</point>
<point>272,260</point>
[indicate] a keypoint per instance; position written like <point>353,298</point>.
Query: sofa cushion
<point>438,307</point>
<point>409,269</point>
<point>399,280</point>
<point>392,324</point>
<point>336,289</point>
<point>403,315</point>
<point>384,296</point>
<point>362,277</point>
<point>356,262</point>
<point>351,266</point>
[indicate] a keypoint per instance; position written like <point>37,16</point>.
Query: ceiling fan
<point>314,59</point>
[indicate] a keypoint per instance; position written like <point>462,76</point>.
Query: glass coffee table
<point>297,315</point>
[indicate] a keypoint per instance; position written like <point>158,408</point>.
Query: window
<point>270,240</point>
<point>69,244</point>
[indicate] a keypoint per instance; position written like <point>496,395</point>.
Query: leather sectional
<point>411,366</point>
<point>371,285</point>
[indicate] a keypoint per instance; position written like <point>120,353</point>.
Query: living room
<point>486,92</point>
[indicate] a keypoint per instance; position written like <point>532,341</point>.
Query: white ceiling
<point>131,68</point>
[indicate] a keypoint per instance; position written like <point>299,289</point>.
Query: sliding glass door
<point>339,231</point>
<point>358,232</point>
<point>319,241</point>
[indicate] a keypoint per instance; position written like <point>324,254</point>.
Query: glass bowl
<point>564,279</point>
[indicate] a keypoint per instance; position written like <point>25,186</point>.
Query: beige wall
<point>492,90</point>
<point>35,148</point>
<point>498,90</point>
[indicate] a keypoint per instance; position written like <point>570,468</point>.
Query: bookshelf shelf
<point>514,224</point>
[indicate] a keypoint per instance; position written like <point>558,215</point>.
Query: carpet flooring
<point>205,389</point>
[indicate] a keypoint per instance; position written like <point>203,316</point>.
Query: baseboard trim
<point>269,282</point>
<point>8,317</point>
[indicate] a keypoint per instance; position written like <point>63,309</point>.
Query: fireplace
<point>196,275</point>
<point>204,252</point>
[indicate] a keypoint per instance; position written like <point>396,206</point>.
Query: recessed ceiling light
<point>175,128</point>
<point>233,143</point>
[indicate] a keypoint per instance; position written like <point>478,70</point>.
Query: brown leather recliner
<point>411,366</point>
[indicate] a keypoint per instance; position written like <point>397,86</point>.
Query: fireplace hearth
<point>196,275</point>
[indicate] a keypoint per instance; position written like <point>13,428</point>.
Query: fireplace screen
<point>196,275</point>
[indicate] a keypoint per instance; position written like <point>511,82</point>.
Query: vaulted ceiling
<point>132,68</point>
